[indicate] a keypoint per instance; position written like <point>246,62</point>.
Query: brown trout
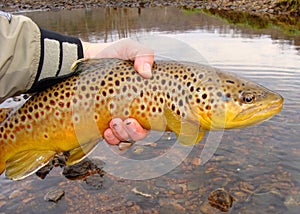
<point>71,116</point>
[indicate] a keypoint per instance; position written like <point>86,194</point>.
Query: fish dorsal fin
<point>4,113</point>
<point>80,152</point>
<point>187,132</point>
<point>26,163</point>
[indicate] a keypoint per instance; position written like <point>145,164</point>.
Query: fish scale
<point>72,115</point>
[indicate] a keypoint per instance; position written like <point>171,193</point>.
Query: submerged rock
<point>221,199</point>
<point>54,195</point>
<point>83,169</point>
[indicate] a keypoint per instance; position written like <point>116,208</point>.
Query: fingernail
<point>147,70</point>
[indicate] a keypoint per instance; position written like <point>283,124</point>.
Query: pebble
<point>124,145</point>
<point>54,195</point>
<point>2,203</point>
<point>138,150</point>
<point>221,199</point>
<point>16,193</point>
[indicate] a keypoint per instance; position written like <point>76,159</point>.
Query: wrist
<point>91,50</point>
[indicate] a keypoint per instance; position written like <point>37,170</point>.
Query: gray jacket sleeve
<point>32,58</point>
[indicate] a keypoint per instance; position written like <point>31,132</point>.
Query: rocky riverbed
<point>276,7</point>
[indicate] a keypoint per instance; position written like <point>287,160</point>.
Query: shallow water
<point>258,165</point>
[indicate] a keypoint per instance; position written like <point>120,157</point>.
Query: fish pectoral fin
<point>78,153</point>
<point>187,132</point>
<point>26,163</point>
<point>189,140</point>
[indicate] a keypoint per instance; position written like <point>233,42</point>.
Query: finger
<point>143,65</point>
<point>142,55</point>
<point>118,128</point>
<point>135,130</point>
<point>110,137</point>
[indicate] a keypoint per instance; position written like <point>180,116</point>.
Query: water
<point>258,165</point>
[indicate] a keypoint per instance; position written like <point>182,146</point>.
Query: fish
<point>72,115</point>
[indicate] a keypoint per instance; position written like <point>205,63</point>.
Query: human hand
<point>126,49</point>
<point>120,130</point>
<point>143,57</point>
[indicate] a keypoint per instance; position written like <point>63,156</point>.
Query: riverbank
<point>275,7</point>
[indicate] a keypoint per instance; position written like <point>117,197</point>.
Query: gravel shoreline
<point>275,7</point>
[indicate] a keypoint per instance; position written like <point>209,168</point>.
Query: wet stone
<point>83,169</point>
<point>54,195</point>
<point>95,182</point>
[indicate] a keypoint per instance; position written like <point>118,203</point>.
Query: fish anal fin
<point>26,163</point>
<point>78,153</point>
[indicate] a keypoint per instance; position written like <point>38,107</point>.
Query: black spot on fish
<point>230,81</point>
<point>139,79</point>
<point>134,89</point>
<point>161,100</point>
<point>173,107</point>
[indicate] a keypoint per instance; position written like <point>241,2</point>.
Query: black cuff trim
<point>46,34</point>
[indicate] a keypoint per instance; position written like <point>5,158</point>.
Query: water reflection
<point>259,165</point>
<point>113,23</point>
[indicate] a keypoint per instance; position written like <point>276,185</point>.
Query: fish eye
<point>247,97</point>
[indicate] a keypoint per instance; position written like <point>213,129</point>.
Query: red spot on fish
<point>52,102</point>
<point>61,104</point>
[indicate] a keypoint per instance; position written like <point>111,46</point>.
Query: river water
<point>259,165</point>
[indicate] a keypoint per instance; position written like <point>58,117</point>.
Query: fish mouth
<point>259,113</point>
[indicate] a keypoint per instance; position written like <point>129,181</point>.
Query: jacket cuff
<point>58,53</point>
